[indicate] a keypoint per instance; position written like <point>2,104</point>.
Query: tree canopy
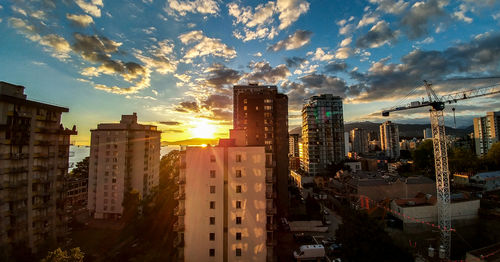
<point>59,255</point>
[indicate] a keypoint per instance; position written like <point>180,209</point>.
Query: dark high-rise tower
<point>263,113</point>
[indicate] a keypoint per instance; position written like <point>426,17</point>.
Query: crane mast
<point>440,150</point>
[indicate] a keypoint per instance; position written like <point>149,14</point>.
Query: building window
<point>212,158</point>
<point>212,173</point>
<point>238,173</point>
<point>245,101</point>
<point>238,204</point>
<point>245,108</point>
<point>267,114</point>
<point>256,108</point>
<point>268,101</point>
<point>238,252</point>
<point>238,158</point>
<point>212,189</point>
<point>238,220</point>
<point>212,236</point>
<point>212,220</point>
<point>238,235</point>
<point>212,204</point>
<point>211,252</point>
<point>238,189</point>
<point>268,107</point>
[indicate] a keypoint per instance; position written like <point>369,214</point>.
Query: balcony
<point>16,170</point>
<point>271,227</point>
<point>179,211</point>
<point>271,195</point>
<point>180,195</point>
<point>178,241</point>
<point>270,178</point>
<point>181,179</point>
<point>271,210</point>
<point>15,184</point>
<point>178,227</point>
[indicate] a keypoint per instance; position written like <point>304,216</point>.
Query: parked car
<point>333,249</point>
<point>309,252</point>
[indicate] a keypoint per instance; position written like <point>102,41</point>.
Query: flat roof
<point>20,101</point>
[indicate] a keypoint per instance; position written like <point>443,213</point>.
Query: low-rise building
<point>486,181</point>
<point>379,188</point>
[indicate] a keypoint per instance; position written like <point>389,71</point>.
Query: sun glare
<point>203,129</point>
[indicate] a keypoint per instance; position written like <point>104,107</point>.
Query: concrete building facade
<point>322,133</point>
<point>359,140</point>
<point>486,132</point>
<point>389,139</point>
<point>34,152</point>
<point>226,209</point>
<point>123,156</point>
<point>262,113</point>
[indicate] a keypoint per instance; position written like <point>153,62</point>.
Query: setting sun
<point>203,129</point>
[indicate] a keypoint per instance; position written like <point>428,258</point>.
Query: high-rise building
<point>389,139</point>
<point>226,209</point>
<point>124,156</point>
<point>322,133</point>
<point>427,133</point>
<point>486,132</point>
<point>294,145</point>
<point>262,113</point>
<point>359,139</point>
<point>34,152</point>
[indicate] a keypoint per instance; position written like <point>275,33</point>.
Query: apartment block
<point>486,132</point>
<point>389,139</point>
<point>262,113</point>
<point>124,156</point>
<point>322,133</point>
<point>34,153</point>
<point>359,139</point>
<point>225,203</point>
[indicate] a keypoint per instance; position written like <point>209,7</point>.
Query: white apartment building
<point>34,152</point>
<point>123,156</point>
<point>486,132</point>
<point>226,206</point>
<point>389,139</point>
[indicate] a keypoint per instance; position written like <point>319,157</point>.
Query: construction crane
<point>437,105</point>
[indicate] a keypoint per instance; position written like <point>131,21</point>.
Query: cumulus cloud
<point>420,15</point>
<point>378,35</point>
<point>343,53</point>
<point>294,61</point>
<point>80,20</point>
<point>264,72</point>
<point>367,19</point>
<point>217,101</point>
<point>220,76</point>
<point>480,56</point>
<point>182,7</point>
<point>290,11</point>
<point>299,39</point>
<point>346,42</point>
<point>187,106</point>
<point>390,6</point>
<point>320,55</point>
<point>333,67</point>
<point>91,7</point>
<point>460,14</point>
<point>160,57</point>
<point>206,46</point>
<point>55,44</point>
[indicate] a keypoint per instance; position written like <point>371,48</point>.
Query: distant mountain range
<point>192,142</point>
<point>405,130</point>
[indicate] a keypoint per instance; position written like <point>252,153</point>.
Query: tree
<point>58,255</point>
<point>462,160</point>
<point>81,169</point>
<point>423,158</point>
<point>362,237</point>
<point>131,204</point>
<point>493,155</point>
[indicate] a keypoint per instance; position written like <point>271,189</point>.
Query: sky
<point>174,62</point>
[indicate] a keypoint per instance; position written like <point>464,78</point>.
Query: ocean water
<point>78,153</point>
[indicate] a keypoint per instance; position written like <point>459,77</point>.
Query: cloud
<point>80,20</point>
<point>206,46</point>
<point>346,29</point>
<point>290,11</point>
<point>367,19</point>
<point>182,7</point>
<point>92,7</point>
<point>320,55</point>
<point>343,53</point>
<point>420,15</point>
<point>186,107</point>
<point>169,123</point>
<point>346,42</point>
<point>378,35</point>
<point>391,6</point>
<point>217,101</point>
<point>173,130</point>
<point>55,44</point>
<point>264,72</point>
<point>220,76</point>
<point>294,61</point>
<point>479,57</point>
<point>460,14</point>
<point>299,39</point>
<point>160,57</point>
<point>258,54</point>
<point>335,67</point>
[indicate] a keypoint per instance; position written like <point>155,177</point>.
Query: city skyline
<point>177,65</point>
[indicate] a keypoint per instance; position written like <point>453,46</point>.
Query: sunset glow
<point>203,129</point>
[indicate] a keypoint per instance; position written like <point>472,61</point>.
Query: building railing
<point>179,195</point>
<point>179,211</point>
<point>271,210</point>
<point>178,226</point>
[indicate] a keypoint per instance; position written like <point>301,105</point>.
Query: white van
<point>309,252</point>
